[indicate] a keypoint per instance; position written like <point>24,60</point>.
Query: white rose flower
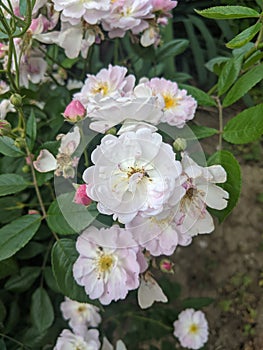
<point>191,328</point>
<point>134,173</point>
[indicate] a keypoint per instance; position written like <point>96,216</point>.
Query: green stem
<point>221,124</point>
<point>212,90</point>
<point>14,340</point>
<point>142,318</point>
<point>45,261</point>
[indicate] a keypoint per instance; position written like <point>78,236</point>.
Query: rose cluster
<point>81,24</point>
<point>191,328</point>
<point>158,199</point>
<point>84,23</point>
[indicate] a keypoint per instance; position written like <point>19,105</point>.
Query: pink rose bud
<point>75,111</point>
<point>33,212</point>
<point>5,127</point>
<point>166,266</point>
<point>29,159</point>
<point>81,196</point>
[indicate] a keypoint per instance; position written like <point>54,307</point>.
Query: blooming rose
<point>135,173</point>
<point>178,106</point>
<point>110,82</point>
<point>90,10</point>
<point>109,263</point>
<point>127,15</point>
<point>159,234</point>
<point>201,191</point>
<point>191,329</point>
<point>80,315</point>
<point>70,341</point>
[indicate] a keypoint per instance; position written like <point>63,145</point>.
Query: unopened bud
<point>166,266</point>
<point>179,144</point>
<point>25,169</point>
<point>5,127</point>
<point>20,142</point>
<point>33,212</point>
<point>81,196</point>
<point>16,100</point>
<point>74,111</point>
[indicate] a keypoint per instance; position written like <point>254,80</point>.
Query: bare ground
<point>227,265</point>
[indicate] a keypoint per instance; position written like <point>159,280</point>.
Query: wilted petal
<point>149,292</point>
<point>45,162</point>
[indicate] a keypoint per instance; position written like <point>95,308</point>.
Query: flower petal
<point>45,162</point>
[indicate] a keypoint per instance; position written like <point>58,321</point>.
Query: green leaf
<point>202,98</point>
<point>227,12</point>
<point>64,255</point>
<point>17,234</point>
<point>243,85</point>
<point>42,313</point>
<point>11,183</point>
<point>66,217</point>
<point>31,130</point>
<point>194,132</point>
<point>202,132</point>
<point>196,303</point>
<point>8,267</point>
<point>233,183</point>
<point>245,127</point>
<point>229,73</point>
<point>24,280</point>
<point>22,7</point>
<point>214,65</point>
<point>2,312</point>
<point>50,279</point>
<point>244,37</point>
<point>10,209</point>
<point>2,344</point>
<point>172,48</point>
<point>31,250</point>
<point>8,148</point>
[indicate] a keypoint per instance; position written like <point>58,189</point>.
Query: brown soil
<point>227,265</point>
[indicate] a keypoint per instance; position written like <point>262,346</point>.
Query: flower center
<point>101,88</point>
<point>105,263</point>
<point>135,170</point>
<point>81,308</point>
<point>169,101</point>
<point>193,328</point>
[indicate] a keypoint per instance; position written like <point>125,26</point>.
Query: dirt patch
<point>227,265</point>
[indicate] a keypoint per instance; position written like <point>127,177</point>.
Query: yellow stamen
<point>169,101</point>
<point>193,328</point>
<point>105,263</point>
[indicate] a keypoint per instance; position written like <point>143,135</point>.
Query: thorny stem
<point>14,340</point>
<point>221,125</point>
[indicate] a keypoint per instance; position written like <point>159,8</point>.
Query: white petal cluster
<point>70,341</point>
<point>80,315</point>
<point>64,164</point>
<point>201,192</point>
<point>191,329</point>
<point>134,173</point>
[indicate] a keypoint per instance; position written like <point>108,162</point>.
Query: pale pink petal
<point>45,162</point>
